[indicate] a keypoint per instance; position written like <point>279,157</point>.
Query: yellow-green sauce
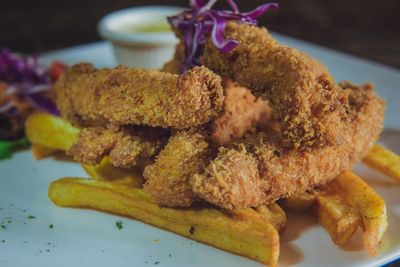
<point>147,28</point>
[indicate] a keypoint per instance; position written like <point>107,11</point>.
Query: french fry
<point>50,131</point>
<point>249,236</point>
<point>272,214</point>
<point>384,160</point>
<point>301,202</point>
<point>104,171</point>
<point>41,152</point>
<point>369,205</point>
<point>338,218</point>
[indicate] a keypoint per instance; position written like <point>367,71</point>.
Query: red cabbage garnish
<point>201,21</point>
<point>27,78</point>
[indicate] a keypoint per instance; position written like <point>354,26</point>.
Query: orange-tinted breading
<point>242,113</point>
<point>125,146</point>
<point>305,100</point>
<point>167,179</point>
<point>122,96</point>
<point>93,144</point>
<point>257,170</point>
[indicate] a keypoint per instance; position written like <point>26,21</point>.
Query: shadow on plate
<point>63,157</point>
<point>297,223</point>
<point>390,138</point>
<point>355,242</point>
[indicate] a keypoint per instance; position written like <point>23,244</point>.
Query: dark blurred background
<point>366,28</point>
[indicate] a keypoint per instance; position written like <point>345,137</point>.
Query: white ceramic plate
<point>90,238</point>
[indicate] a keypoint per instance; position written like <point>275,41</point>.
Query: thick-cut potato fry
<point>50,131</point>
<point>383,160</point>
<point>272,214</point>
<point>301,202</point>
<point>41,152</point>
<point>251,236</point>
<point>369,205</point>
<point>338,218</point>
<point>107,172</point>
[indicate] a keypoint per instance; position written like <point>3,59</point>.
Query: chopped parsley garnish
<point>119,225</point>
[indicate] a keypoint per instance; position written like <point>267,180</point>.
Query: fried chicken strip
<point>128,96</point>
<point>257,170</point>
<point>303,96</point>
<point>167,180</point>
<point>242,113</point>
<point>125,146</point>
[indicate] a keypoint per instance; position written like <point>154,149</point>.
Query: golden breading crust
<point>125,146</point>
<point>167,180</point>
<point>121,96</point>
<point>256,170</point>
<point>303,96</point>
<point>242,113</point>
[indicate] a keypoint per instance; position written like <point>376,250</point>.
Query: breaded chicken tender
<point>303,96</point>
<point>125,146</point>
<point>257,170</point>
<point>167,180</point>
<point>242,113</point>
<point>122,96</point>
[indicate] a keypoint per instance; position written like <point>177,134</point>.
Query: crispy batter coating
<point>258,170</point>
<point>124,145</point>
<point>167,180</point>
<point>304,97</point>
<point>242,113</point>
<point>319,128</point>
<point>93,144</point>
<point>122,96</point>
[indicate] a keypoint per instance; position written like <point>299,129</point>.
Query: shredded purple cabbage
<point>201,20</point>
<point>27,78</point>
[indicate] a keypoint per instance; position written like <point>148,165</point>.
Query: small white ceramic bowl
<point>134,47</point>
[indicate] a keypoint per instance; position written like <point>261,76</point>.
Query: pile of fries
<point>340,207</point>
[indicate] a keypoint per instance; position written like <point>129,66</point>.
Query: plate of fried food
<point>242,150</point>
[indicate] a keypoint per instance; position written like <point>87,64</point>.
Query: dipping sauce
<point>147,28</point>
<point>141,37</point>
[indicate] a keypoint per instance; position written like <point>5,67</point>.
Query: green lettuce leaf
<point>7,147</point>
